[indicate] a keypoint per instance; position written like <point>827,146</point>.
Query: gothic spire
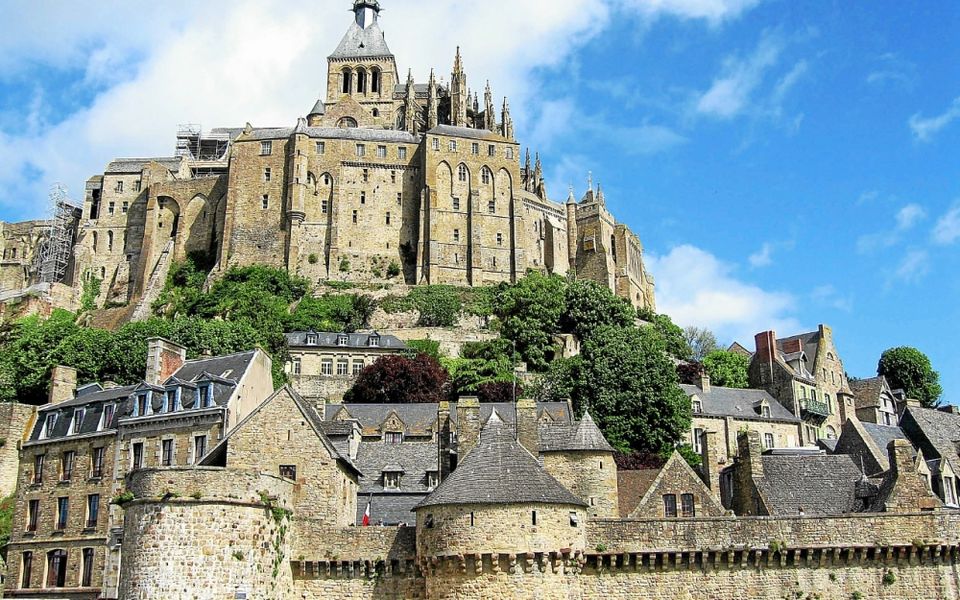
<point>432,102</point>
<point>458,93</point>
<point>489,114</point>
<point>507,120</point>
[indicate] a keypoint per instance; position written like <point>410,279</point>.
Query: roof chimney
<point>705,382</point>
<point>164,358</point>
<point>766,343</point>
<point>63,384</point>
<point>468,425</point>
<point>527,433</point>
<point>908,492</point>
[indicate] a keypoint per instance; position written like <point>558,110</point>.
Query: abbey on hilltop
<point>384,178</point>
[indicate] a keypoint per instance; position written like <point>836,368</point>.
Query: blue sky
<point>785,163</point>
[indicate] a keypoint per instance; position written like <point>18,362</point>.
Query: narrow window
<point>57,568</point>
<point>574,519</point>
<point>366,175</point>
<point>509,153</point>
<point>324,208</point>
<point>393,437</point>
<point>265,201</point>
<point>768,440</point>
<point>137,185</point>
<point>96,463</point>
<point>199,448</point>
<point>142,406</point>
<point>472,520</point>
<point>462,173</point>
<point>686,506</point>
<point>381,151</point>
<point>266,148</point>
<point>63,509</point>
<point>86,577</point>
<point>361,150</point>
<point>361,82</point>
<point>485,176</point>
<point>670,506</point>
<point>166,452</point>
<point>347,81</point>
<point>137,456</point>
<point>109,241</point>
<point>491,150</point>
<point>321,147</point>
<point>388,218</point>
<point>93,510</point>
<point>206,396</point>
<point>111,208</point>
<point>698,440</point>
<point>492,206</point>
<point>363,196</point>
<point>94,243</point>
<point>66,465</point>
<point>354,217</point>
<point>119,188</point>
<point>697,407</point>
<point>297,366</point>
<point>475,148</point>
<point>533,517</point>
<point>436,143</point>
<point>26,570</point>
<point>765,412</point>
<point>402,153</point>
<point>456,236</point>
<point>78,416</point>
<point>288,472</point>
<point>266,174</point>
<point>38,469</point>
<point>499,239</point>
<point>456,204</point>
<point>375,81</point>
<point>33,515</point>
<point>125,207</point>
<point>399,198</point>
<point>453,145</point>
<point>49,425</point>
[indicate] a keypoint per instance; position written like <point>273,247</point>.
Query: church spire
<point>489,114</point>
<point>410,106</point>
<point>458,93</point>
<point>507,120</point>
<point>432,102</point>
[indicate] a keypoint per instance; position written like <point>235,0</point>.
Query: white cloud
<point>731,92</point>
<point>910,215</point>
<point>905,219</point>
<point>827,295</point>
<point>714,11</point>
<point>695,288</point>
<point>225,63</point>
<point>762,257</point>
<point>947,229</point>
<point>912,267</point>
<point>924,128</point>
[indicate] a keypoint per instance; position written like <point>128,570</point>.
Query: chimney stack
<point>63,384</point>
<point>709,465</point>
<point>766,344</point>
<point>468,425</point>
<point>909,492</point>
<point>527,433</point>
<point>164,358</point>
<point>705,382</point>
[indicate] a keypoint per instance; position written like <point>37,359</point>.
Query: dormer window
<point>765,411</point>
<point>393,437</point>
<point>433,479</point>
<point>49,423</point>
<point>106,417</point>
<point>77,420</point>
<point>206,395</point>
<point>142,405</point>
<point>311,339</point>
<point>391,480</point>
<point>170,401</point>
<point>374,341</point>
<point>343,339</point>
<point>697,407</point>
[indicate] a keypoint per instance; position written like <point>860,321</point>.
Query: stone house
<point>727,412</point>
<point>935,434</point>
<point>875,401</point>
<point>324,365</point>
<point>867,444</point>
<point>673,491</point>
<point>804,372</point>
<point>66,534</point>
<point>384,179</point>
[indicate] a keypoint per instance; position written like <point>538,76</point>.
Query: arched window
<point>361,81</point>
<point>56,568</point>
<point>376,112</point>
<point>375,81</point>
<point>94,241</point>
<point>346,123</point>
<point>462,172</point>
<point>109,241</point>
<point>347,81</point>
<point>486,175</point>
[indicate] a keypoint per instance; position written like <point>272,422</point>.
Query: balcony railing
<point>815,407</point>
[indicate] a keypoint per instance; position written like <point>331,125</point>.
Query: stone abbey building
<point>384,177</point>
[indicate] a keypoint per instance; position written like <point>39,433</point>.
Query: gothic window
<point>486,175</point>
<point>346,81</point>
<point>462,172</point>
<point>375,82</point>
<point>361,81</point>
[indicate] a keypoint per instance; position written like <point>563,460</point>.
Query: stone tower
<point>580,458</point>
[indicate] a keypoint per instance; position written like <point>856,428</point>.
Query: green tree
<point>590,306</point>
<point>480,364</point>
<point>909,369</point>
<point>627,381</point>
<point>530,313</point>
<point>429,347</point>
<point>727,369</point>
<point>701,342</point>
<point>28,352</point>
<point>674,342</point>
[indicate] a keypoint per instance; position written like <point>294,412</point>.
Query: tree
<point>530,312</point>
<point>674,342</point>
<point>727,369</point>
<point>909,369</point>
<point>481,363</point>
<point>398,379</point>
<point>590,306</point>
<point>701,342</point>
<point>628,383</point>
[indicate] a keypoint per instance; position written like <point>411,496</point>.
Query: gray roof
<point>268,133</point>
<point>737,403</point>
<point>883,434</point>
<point>318,109</point>
<point>413,459</point>
<point>820,484</point>
<point>583,435</point>
<point>326,339</point>
<point>467,132</point>
<point>92,403</point>
<point>390,508</point>
<point>360,134</point>
<point>866,392</point>
<point>418,419</point>
<point>558,412</point>
<point>500,471</point>
<point>941,429</point>
<point>361,42</point>
<point>135,165</point>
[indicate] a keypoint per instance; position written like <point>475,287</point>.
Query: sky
<point>785,163</point>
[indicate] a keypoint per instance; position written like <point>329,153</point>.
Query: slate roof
<point>866,392</point>
<point>360,134</point>
<point>413,459</point>
<point>883,435</point>
<point>632,486</point>
<point>583,435</point>
<point>467,132</point>
<point>325,339</point>
<point>499,471</point>
<point>941,429</point>
<point>318,109</point>
<point>555,411</point>
<point>820,484</point>
<point>418,419</point>
<point>135,165</point>
<point>361,42</point>
<point>392,508</point>
<point>737,403</point>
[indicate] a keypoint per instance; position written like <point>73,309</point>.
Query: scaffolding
<point>193,144</point>
<point>56,243</point>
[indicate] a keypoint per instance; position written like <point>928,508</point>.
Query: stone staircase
<point>158,278</point>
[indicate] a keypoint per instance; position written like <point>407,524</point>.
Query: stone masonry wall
<point>592,476</point>
<point>14,419</point>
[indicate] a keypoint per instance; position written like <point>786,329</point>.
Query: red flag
<point>366,516</point>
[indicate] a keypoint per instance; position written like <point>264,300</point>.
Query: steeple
<point>527,173</point>
<point>540,188</point>
<point>367,12</point>
<point>458,93</point>
<point>432,102</point>
<point>489,114</point>
<point>507,120</point>
<point>410,106</point>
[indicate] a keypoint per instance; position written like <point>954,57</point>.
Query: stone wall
<point>592,476</point>
<point>15,420</point>
<point>209,483</point>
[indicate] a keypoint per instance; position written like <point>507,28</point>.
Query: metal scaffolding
<point>56,244</point>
